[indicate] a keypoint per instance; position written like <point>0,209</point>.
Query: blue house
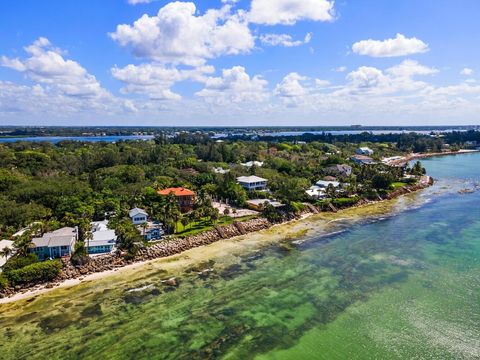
<point>55,244</point>
<point>103,239</point>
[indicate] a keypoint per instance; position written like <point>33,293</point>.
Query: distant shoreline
<point>416,156</point>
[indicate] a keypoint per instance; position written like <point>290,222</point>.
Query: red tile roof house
<point>185,197</point>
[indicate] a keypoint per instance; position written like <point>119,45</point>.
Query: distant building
<point>5,244</point>
<point>364,151</point>
<point>362,160</point>
<point>185,197</point>
<point>103,239</point>
<point>253,182</point>
<point>324,184</point>
<point>55,244</point>
<point>151,231</point>
<point>138,216</point>
<point>316,192</point>
<point>219,170</point>
<point>342,170</point>
<point>253,163</point>
<point>319,190</point>
<point>259,204</point>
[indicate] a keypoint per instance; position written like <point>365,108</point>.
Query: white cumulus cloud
<point>62,86</point>
<point>290,86</point>
<point>288,12</point>
<point>466,71</point>
<point>156,80</point>
<point>398,46</point>
<point>234,86</point>
<point>283,40</point>
<point>47,65</point>
<point>178,35</point>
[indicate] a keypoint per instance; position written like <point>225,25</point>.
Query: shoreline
<point>41,289</point>
<point>414,156</point>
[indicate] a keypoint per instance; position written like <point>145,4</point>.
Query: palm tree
<point>171,211</point>
<point>23,244</point>
<point>185,221</point>
<point>144,228</point>
<point>6,252</point>
<point>330,191</point>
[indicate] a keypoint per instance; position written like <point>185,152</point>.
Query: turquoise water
<point>399,287</point>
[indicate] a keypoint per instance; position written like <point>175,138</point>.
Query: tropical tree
<point>6,252</point>
<point>185,221</point>
<point>331,191</point>
<point>271,213</point>
<point>129,238</point>
<point>23,244</point>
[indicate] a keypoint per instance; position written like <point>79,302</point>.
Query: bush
<point>18,262</point>
<point>35,273</point>
<point>3,282</point>
<point>345,202</point>
<point>294,207</point>
<point>339,203</point>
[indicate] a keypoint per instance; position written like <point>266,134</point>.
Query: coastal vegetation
<point>45,186</point>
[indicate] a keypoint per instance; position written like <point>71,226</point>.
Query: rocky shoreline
<point>176,246</point>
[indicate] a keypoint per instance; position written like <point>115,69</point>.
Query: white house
<point>259,204</point>
<point>103,239</point>
<point>319,190</point>
<point>316,192</point>
<point>219,170</point>
<point>253,163</point>
<point>324,184</point>
<point>362,160</point>
<point>55,244</point>
<point>5,244</point>
<point>138,216</point>
<point>364,151</point>
<point>252,182</point>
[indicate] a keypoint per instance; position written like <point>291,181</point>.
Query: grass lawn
<point>205,225</point>
<point>398,185</point>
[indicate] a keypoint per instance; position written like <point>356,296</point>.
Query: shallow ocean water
<point>391,287</point>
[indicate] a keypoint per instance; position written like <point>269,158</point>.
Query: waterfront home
<point>259,204</point>
<point>5,244</point>
<point>253,163</point>
<point>324,184</point>
<point>319,190</point>
<point>103,239</point>
<point>316,192</point>
<point>185,197</point>
<point>341,170</point>
<point>364,151</point>
<point>55,244</point>
<point>151,231</point>
<point>252,182</point>
<point>362,160</point>
<point>138,216</point>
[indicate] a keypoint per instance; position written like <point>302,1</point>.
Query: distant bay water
<point>219,135</point>
<point>57,139</point>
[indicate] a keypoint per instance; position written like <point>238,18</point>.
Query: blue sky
<point>247,62</point>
